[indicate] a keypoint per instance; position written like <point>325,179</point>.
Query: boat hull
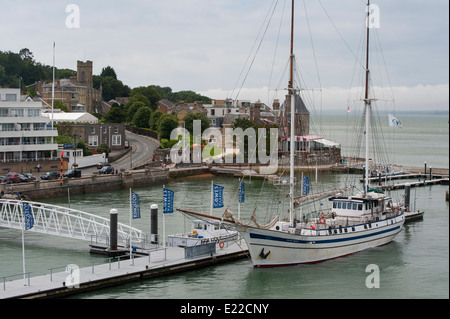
<point>269,248</point>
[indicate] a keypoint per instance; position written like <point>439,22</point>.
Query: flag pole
<point>212,197</point>
<point>164,222</point>
<point>131,248</point>
<point>23,241</point>
<point>239,200</point>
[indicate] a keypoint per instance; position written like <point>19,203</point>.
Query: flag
<point>349,109</point>
<point>168,201</point>
<point>394,122</point>
<point>135,206</point>
<point>241,192</point>
<point>28,216</point>
<point>218,196</point>
<point>305,185</point>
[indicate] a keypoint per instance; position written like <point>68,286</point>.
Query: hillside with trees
<point>22,69</point>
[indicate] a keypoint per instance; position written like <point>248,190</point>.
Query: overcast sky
<point>203,45</point>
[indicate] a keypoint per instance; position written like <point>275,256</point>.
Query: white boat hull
<point>270,248</point>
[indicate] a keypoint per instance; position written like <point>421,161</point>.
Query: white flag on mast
<point>395,122</point>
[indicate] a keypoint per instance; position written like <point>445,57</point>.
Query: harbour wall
<point>93,184</point>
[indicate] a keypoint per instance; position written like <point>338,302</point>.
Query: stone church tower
<point>84,73</point>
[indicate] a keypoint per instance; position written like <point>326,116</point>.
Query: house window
<point>117,140</point>
<point>104,130</point>
<point>213,112</point>
<point>116,129</point>
<point>11,97</point>
<point>93,140</point>
<point>92,130</point>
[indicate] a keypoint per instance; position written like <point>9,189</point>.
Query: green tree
<point>191,117</point>
<point>142,117</point>
<point>108,71</point>
<point>132,109</point>
<point>150,93</point>
<point>166,125</point>
<point>103,148</point>
<point>116,114</point>
<point>60,105</point>
<point>154,120</point>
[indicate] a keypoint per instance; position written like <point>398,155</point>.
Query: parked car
<point>13,177</point>
<point>50,175</point>
<point>3,179</point>
<point>74,172</point>
<point>28,177</point>
<point>106,170</point>
<point>100,165</point>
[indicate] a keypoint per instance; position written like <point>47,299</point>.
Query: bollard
<point>407,197</point>
<point>113,230</point>
<point>154,224</point>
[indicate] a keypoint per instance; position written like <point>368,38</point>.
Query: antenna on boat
<point>367,102</point>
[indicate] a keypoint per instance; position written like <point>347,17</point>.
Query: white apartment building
<point>25,135</point>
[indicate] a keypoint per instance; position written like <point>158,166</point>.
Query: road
<point>142,149</point>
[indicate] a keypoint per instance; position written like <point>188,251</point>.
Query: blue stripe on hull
<point>317,239</point>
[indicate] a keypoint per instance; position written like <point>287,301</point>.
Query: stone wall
<point>93,184</point>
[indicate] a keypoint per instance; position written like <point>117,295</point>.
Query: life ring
<point>322,219</point>
<point>221,244</point>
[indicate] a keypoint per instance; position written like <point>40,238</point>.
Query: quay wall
<point>93,184</point>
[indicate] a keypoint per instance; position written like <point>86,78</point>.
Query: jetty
<point>71,280</point>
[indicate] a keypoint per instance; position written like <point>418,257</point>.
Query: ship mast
<point>367,102</point>
<point>292,95</point>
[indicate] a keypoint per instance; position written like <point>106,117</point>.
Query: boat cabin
<point>357,206</point>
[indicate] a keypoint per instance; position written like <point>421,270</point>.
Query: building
<point>25,135</point>
<point>77,93</point>
<point>93,135</point>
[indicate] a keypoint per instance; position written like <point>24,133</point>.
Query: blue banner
<point>305,185</point>
<point>168,201</point>
<point>135,206</point>
<point>241,192</point>
<point>28,216</point>
<point>218,196</point>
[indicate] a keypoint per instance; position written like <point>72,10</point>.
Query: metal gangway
<point>65,222</point>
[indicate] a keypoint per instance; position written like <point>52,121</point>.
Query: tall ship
<point>355,222</point>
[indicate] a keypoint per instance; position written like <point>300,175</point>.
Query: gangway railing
<point>65,222</point>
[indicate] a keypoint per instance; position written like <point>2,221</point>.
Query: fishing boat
<point>355,222</point>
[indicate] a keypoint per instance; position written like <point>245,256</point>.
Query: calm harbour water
<point>415,265</point>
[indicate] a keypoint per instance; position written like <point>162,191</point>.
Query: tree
<point>150,93</point>
<point>108,71</point>
<point>166,125</point>
<point>142,117</point>
<point>132,109</point>
<point>60,105</point>
<point>191,117</point>
<point>116,114</point>
<point>154,120</point>
<point>103,148</point>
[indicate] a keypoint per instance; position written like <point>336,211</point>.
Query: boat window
<point>197,226</point>
<point>344,205</point>
<point>339,205</point>
<point>360,206</point>
<point>355,206</point>
<point>334,205</point>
